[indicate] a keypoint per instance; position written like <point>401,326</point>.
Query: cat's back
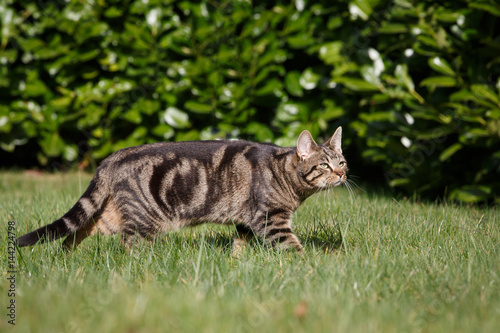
<point>207,153</point>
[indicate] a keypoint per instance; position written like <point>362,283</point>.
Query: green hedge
<point>414,83</point>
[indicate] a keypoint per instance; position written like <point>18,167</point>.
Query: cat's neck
<point>293,186</point>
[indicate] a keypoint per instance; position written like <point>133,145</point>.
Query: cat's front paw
<point>290,242</point>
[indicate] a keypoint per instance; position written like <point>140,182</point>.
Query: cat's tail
<point>89,204</point>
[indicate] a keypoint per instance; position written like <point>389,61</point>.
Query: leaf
<point>331,111</point>
<point>429,41</point>
<point>163,131</point>
<point>378,63</point>
<point>139,133</point>
<point>440,65</point>
<point>176,118</point>
<point>197,107</point>
<point>393,28</point>
<point>297,23</point>
<point>442,38</point>
<point>483,91</point>
<point>309,79</point>
<point>378,116</point>
<point>374,154</point>
<point>5,124</point>
<point>330,53</point>
<point>8,55</point>
<point>300,41</point>
<point>361,8</point>
<point>446,15</point>
<point>70,152</point>
<point>401,73</point>
<point>7,17</point>
<point>260,131</point>
<point>370,75</point>
<point>356,84</point>
<point>439,81</point>
<point>448,152</point>
<point>34,89</point>
<point>52,144</point>
<point>463,95</point>
<point>292,83</point>
<point>30,44</point>
<point>113,12</point>
<point>466,95</point>
<point>492,9</point>
<point>133,115</point>
<point>270,87</point>
<point>61,102</point>
<point>474,133</point>
<point>147,106</point>
<point>86,56</point>
<point>90,29</point>
<point>399,182</point>
<point>288,112</point>
<point>471,193</point>
<point>334,23</point>
<point>187,136</point>
<point>494,114</point>
<point>421,49</point>
<point>48,52</point>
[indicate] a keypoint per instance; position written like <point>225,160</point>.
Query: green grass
<point>402,267</point>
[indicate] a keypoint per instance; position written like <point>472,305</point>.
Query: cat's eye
<point>324,165</point>
<point>342,164</point>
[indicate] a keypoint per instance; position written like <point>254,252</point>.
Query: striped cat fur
<point>164,186</point>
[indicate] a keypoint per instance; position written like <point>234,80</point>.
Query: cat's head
<point>321,166</point>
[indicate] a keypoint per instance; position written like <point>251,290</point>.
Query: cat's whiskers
<point>320,189</point>
<point>328,191</point>
<point>351,188</point>
<point>353,184</point>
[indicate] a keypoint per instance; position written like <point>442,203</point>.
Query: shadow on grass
<point>322,235</point>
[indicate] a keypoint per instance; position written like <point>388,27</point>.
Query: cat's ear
<point>305,145</point>
<point>336,140</point>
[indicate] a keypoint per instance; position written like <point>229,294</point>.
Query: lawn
<point>371,264</point>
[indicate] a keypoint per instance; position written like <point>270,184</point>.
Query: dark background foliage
<point>414,83</point>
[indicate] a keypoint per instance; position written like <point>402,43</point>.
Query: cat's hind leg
<point>73,240</point>
<point>107,221</point>
<point>134,231</point>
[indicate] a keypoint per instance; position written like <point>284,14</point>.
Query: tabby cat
<point>164,186</point>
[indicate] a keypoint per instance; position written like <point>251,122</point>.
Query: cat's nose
<point>339,173</point>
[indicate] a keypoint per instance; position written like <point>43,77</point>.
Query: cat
<point>164,186</point>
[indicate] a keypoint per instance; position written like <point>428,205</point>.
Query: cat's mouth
<point>336,182</point>
<point>339,182</point>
